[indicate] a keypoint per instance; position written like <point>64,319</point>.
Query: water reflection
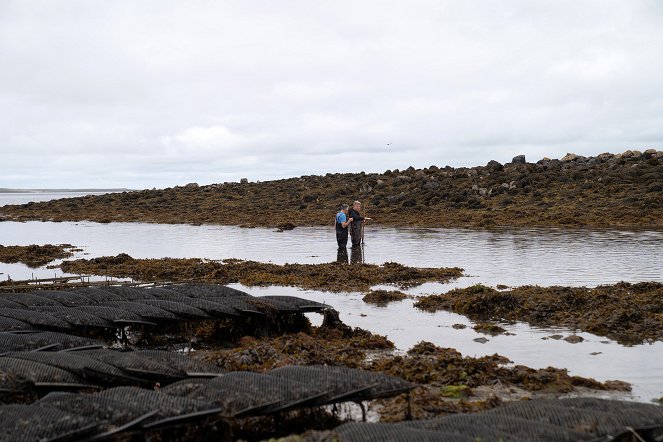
<point>512,257</point>
<point>342,255</point>
<point>357,255</point>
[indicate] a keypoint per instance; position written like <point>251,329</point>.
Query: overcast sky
<point>157,93</point>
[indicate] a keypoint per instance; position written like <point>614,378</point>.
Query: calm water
<point>37,196</point>
<point>511,257</point>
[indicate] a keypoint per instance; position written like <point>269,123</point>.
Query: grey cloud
<point>156,93</point>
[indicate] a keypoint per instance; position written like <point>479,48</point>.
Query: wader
<point>341,235</point>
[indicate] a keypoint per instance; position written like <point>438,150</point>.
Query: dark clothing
<point>342,255</point>
<point>355,227</point>
<point>357,256</point>
<point>341,233</point>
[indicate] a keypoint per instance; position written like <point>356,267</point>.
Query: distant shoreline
<point>5,190</point>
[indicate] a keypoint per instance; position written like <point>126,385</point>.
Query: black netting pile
<point>110,415</point>
<point>355,431</point>
<point>85,366</point>
<point>164,406</point>
<point>190,365</point>
<point>29,300</point>
<point>35,318</point>
<point>92,370</point>
<point>24,341</point>
<point>574,419</point>
<point>115,306</point>
<point>342,383</point>
<point>35,423</point>
<point>8,324</point>
<point>247,392</point>
<point>75,317</point>
<point>41,374</point>
<point>133,364</point>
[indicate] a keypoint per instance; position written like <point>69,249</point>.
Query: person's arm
<point>345,224</point>
<point>356,216</point>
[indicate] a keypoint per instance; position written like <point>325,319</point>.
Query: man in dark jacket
<point>357,223</point>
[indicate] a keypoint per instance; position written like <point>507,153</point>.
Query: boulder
<point>244,181</point>
<point>494,166</point>
<point>569,157</point>
<point>519,159</point>
<point>432,184</point>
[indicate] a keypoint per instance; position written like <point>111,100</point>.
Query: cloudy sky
<point>157,93</point>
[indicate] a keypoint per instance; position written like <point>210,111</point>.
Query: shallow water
<point>507,256</point>
<point>7,198</point>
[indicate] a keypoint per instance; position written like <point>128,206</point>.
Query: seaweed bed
<point>330,276</point>
<point>35,255</point>
<point>628,313</point>
<point>449,382</point>
<point>607,190</point>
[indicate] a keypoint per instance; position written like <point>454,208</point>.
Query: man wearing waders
<point>342,222</point>
<point>357,224</point>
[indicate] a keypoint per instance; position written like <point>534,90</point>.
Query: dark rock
<point>244,181</point>
<point>519,159</point>
<point>573,339</point>
<point>494,166</point>
<point>431,185</point>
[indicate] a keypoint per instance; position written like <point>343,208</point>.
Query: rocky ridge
<point>607,190</point>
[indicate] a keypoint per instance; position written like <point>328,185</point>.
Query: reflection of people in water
<point>357,256</point>
<point>357,224</point>
<point>342,255</point>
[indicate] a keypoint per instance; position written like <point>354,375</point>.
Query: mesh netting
<point>188,364</point>
<point>492,427</point>
<point>29,300</point>
<point>69,299</point>
<point>359,432</point>
<point>344,383</point>
<point>588,421</point>
<point>38,373</point>
<point>179,309</point>
<point>207,291</point>
<point>209,306</point>
<point>7,324</point>
<point>98,295</point>
<point>110,414</point>
<point>148,312</point>
<point>35,318</point>
<point>87,368</point>
<point>243,304</point>
<point>150,400</point>
<point>74,316</point>
<point>129,293</point>
<point>293,303</point>
<point>42,423</point>
<point>136,365</point>
<point>32,341</point>
<point>164,293</point>
<point>114,314</point>
<point>6,303</point>
<point>247,391</point>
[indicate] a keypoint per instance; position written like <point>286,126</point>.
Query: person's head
<point>345,208</point>
<point>356,205</point>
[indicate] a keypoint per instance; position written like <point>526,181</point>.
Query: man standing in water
<point>342,222</point>
<point>357,223</point>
